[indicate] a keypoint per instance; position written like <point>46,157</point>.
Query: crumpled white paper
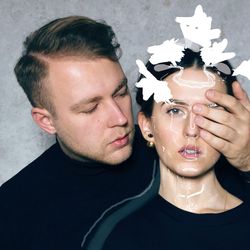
<point>151,86</point>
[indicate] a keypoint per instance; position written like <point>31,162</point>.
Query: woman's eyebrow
<point>180,102</point>
<point>175,101</point>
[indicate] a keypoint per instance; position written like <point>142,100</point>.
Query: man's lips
<point>121,141</point>
<point>190,152</point>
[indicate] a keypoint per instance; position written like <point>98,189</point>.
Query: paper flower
<point>168,51</point>
<point>214,54</point>
<point>243,69</point>
<point>197,28</point>
<point>151,86</point>
<point>198,35</point>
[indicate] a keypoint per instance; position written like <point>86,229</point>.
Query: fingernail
<point>210,93</point>
<point>236,83</point>
<point>197,108</point>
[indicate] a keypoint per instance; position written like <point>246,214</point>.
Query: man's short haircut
<point>69,36</point>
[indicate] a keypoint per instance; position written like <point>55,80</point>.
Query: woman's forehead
<point>191,82</point>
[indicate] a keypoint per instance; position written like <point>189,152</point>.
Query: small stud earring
<point>150,144</point>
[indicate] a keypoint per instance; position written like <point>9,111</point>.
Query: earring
<point>150,144</point>
<point>150,135</point>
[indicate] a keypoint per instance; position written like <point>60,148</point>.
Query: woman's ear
<point>43,119</point>
<point>145,127</point>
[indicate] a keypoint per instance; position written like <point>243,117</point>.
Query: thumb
<point>241,95</point>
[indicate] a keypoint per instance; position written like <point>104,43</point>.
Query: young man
<point>71,75</point>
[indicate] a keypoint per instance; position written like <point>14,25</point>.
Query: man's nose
<point>116,116</point>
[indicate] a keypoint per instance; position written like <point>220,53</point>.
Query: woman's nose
<point>191,129</point>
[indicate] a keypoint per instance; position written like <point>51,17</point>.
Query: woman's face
<point>175,135</point>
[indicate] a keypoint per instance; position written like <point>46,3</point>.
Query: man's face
<point>93,108</point>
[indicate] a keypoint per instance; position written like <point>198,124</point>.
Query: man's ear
<point>43,119</point>
<point>145,127</point>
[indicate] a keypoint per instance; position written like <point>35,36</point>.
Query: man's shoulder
<point>31,173</point>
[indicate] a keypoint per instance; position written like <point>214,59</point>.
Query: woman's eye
<point>213,105</point>
<point>174,111</point>
<point>216,106</point>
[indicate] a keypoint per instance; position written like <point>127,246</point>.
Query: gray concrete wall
<point>138,24</point>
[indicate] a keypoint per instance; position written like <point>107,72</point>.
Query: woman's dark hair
<point>189,60</point>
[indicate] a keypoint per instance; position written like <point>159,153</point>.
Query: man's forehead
<point>98,96</point>
<point>95,62</point>
<point>84,81</point>
<point>73,70</point>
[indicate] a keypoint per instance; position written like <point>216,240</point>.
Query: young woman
<point>192,210</point>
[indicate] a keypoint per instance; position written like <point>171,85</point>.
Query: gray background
<point>138,24</point>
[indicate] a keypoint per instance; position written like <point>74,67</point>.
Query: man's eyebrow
<point>76,106</point>
<point>122,83</point>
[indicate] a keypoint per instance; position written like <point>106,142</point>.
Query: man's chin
<point>119,156</point>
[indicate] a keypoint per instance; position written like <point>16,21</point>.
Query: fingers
<point>229,102</point>
<point>227,130</point>
<point>216,129</point>
<point>214,114</point>
<point>241,95</point>
<point>238,92</point>
<point>216,142</point>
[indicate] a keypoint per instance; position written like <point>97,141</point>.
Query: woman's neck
<point>198,195</point>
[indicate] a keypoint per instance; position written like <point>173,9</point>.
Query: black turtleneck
<point>53,202</point>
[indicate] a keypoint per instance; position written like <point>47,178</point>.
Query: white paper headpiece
<point>151,86</point>
<point>243,69</point>
<point>173,52</point>
<point>197,30</point>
